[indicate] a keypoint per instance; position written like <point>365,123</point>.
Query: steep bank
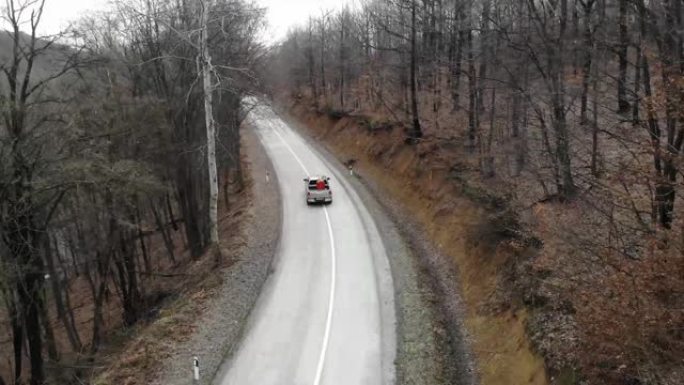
<point>475,241</point>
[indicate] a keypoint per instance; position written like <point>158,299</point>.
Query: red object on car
<point>318,189</point>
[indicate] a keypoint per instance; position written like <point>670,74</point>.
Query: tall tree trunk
<point>50,342</point>
<point>637,84</point>
<point>623,104</point>
<point>660,212</point>
<point>546,142</point>
<point>56,283</point>
<point>22,238</point>
<point>456,69</point>
<point>485,48</point>
<point>515,115</point>
<point>207,69</point>
<point>189,207</point>
<point>488,169</point>
<point>568,188</point>
<point>141,237</point>
<point>473,109</point>
<point>166,237</point>
<point>342,58</point>
<point>416,131</point>
<point>169,210</point>
<point>594,132</point>
<point>671,70</point>
<point>98,287</point>
<point>521,142</point>
<point>14,310</point>
<point>132,299</point>
<point>587,65</point>
<point>29,290</point>
<point>312,64</point>
<point>322,53</point>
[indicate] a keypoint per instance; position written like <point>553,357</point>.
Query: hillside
<point>530,292</point>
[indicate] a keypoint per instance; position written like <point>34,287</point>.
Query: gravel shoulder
<point>219,328</point>
<point>432,347</point>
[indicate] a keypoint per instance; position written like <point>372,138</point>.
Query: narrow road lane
<point>326,314</point>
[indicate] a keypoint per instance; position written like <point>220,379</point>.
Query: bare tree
<point>416,131</point>
<point>623,45</point>
<point>207,70</point>
<point>26,109</point>
<point>102,148</point>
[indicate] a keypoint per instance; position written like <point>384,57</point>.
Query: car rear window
<point>314,185</point>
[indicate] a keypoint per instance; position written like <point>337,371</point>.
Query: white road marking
<point>331,301</point>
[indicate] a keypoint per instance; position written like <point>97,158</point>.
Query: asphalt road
<point>326,313</point>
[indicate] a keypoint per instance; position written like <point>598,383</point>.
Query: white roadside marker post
<point>195,370</point>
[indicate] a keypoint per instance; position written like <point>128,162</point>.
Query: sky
<point>284,14</point>
<point>281,14</point>
<point>58,13</point>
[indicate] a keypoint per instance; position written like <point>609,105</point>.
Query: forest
<point>564,117</point>
<point>110,171</point>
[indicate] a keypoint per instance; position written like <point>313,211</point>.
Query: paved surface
<point>326,313</point>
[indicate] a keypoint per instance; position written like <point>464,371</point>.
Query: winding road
<point>326,313</point>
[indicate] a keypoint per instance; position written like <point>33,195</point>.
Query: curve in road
<point>326,313</point>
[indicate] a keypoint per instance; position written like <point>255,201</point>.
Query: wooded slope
<point>104,185</point>
<point>563,118</point>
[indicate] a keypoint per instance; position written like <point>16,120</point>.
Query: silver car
<point>317,189</point>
